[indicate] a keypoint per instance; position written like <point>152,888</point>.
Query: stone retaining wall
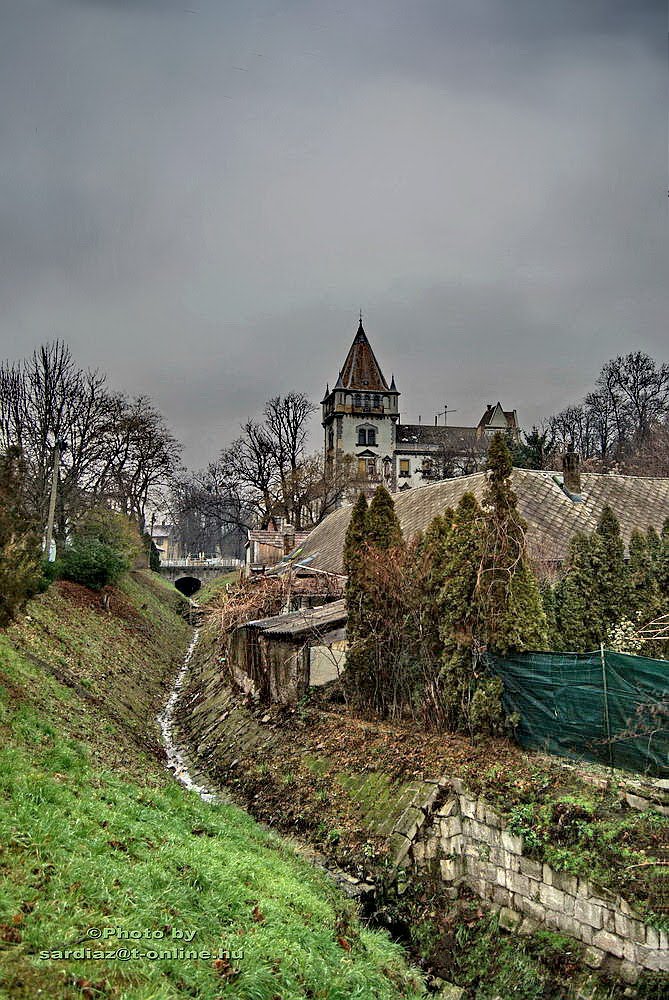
<point>463,840</point>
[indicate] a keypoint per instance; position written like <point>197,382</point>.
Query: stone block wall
<point>463,840</point>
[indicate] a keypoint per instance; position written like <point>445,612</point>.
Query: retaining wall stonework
<point>464,841</point>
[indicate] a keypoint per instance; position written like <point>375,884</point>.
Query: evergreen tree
<point>645,599</point>
<point>355,541</point>
<point>431,572</point>
<point>511,607</point>
<point>382,526</point>
<point>20,562</point>
<point>458,608</point>
<point>358,663</point>
<point>654,543</point>
<point>549,604</point>
<point>577,628</point>
<point>662,570</point>
<point>380,597</point>
<point>534,451</point>
<point>610,578</point>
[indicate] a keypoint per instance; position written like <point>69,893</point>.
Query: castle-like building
<point>361,420</point>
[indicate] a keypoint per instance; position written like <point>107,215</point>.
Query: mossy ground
<point>96,834</point>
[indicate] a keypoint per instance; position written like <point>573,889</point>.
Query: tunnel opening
<point>188,585</point>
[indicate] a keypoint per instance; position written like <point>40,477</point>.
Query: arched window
<point>371,436</point>
<point>362,436</point>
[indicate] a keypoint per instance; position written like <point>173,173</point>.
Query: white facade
<point>361,422</point>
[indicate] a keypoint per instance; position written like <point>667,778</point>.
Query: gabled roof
<point>552,516</point>
<point>496,410</point>
<point>361,370</point>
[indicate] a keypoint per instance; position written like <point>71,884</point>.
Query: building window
<point>427,468</point>
<point>366,436</point>
<point>404,468</point>
<point>357,401</point>
<point>330,438</point>
<point>371,468</point>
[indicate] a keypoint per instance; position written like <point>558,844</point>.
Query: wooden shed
<point>273,657</point>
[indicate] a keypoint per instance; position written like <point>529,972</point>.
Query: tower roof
<point>361,370</point>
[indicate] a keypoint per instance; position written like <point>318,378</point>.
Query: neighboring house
<point>163,537</point>
<point>554,505</point>
<point>361,419</point>
<point>265,547</point>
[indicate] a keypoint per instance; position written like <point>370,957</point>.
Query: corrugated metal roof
<point>552,516</point>
<point>302,622</point>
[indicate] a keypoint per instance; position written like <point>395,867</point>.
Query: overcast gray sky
<point>199,195</point>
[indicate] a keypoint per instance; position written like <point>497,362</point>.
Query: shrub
<point>20,573</point>
<point>114,530</point>
<point>92,563</point>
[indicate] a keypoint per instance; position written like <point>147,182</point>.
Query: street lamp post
<point>59,448</point>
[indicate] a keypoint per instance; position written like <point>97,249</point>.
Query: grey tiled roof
<point>448,438</point>
<point>552,516</point>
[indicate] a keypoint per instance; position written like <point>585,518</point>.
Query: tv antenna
<point>443,413</point>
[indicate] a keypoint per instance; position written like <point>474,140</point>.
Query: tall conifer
<point>577,629</point>
<point>662,570</point>
<point>645,599</point>
<point>459,610</point>
<point>511,607</point>
<point>383,526</point>
<point>610,578</point>
<point>355,542</point>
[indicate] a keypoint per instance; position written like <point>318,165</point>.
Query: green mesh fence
<point>606,707</point>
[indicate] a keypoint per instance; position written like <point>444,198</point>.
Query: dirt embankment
<point>117,651</point>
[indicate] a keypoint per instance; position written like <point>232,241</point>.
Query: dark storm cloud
<point>199,196</point>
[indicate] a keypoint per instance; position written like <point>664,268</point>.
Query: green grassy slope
<point>95,834</point>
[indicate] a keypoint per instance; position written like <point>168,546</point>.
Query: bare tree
<point>263,476</point>
<point>116,451</point>
<point>630,401</point>
<point>639,394</point>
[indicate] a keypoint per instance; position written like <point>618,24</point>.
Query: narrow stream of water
<point>176,759</point>
<point>179,765</point>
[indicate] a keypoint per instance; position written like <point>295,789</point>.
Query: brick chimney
<point>288,538</point>
<point>571,471</point>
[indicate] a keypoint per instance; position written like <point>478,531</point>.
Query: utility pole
<point>59,448</point>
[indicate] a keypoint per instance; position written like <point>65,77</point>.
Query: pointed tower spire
<point>361,370</point>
